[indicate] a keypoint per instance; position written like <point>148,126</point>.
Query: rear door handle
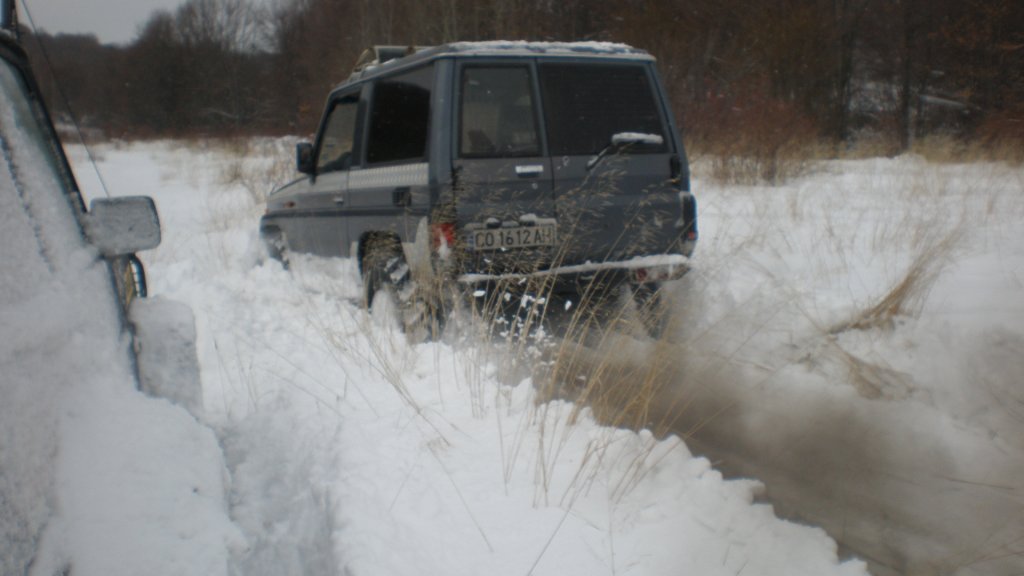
<point>529,170</point>
<point>339,200</point>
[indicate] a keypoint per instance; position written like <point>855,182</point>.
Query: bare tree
<point>230,65</point>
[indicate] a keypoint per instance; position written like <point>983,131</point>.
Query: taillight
<point>679,172</point>
<point>689,214</point>
<point>442,236</point>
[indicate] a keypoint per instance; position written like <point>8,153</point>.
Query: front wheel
<point>384,268</point>
<point>276,245</point>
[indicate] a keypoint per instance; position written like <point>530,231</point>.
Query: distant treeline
<point>827,70</point>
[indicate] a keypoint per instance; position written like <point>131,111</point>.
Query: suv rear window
<point>497,113</point>
<point>586,104</point>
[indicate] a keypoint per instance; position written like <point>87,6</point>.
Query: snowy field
<point>347,450</point>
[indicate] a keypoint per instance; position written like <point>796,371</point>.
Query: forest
<point>744,77</point>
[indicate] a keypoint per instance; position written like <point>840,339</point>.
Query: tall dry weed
<point>907,295</point>
<point>750,138</point>
<point>257,165</point>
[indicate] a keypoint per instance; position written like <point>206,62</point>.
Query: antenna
<point>60,90</point>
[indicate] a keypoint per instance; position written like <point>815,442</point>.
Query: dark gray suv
<point>551,166</point>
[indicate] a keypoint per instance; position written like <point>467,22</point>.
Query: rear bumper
<point>641,269</point>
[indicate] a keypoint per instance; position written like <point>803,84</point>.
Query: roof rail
<point>378,55</point>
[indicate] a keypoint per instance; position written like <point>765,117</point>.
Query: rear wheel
<point>652,307</point>
<point>387,278</point>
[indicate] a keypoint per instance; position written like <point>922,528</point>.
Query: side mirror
<point>304,157</point>
<point>120,226</point>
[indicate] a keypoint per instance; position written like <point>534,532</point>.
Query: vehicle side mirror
<point>121,226</point>
<point>304,157</point>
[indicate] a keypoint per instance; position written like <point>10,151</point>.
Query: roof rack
<point>9,17</point>
<point>378,55</point>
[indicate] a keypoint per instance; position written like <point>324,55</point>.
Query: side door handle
<point>339,200</point>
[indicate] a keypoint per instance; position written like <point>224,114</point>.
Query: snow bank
<point>140,488</point>
<point>901,435</point>
<point>352,451</point>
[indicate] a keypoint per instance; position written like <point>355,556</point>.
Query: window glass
<point>338,140</point>
<point>497,113</point>
<point>400,117</point>
<point>586,104</point>
<point>37,197</point>
<point>25,129</point>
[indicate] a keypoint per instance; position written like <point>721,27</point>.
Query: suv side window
<point>400,117</point>
<point>497,117</point>
<point>338,140</point>
<point>586,104</point>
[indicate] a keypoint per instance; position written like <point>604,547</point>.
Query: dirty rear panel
<point>504,203</point>
<point>583,146</point>
<point>626,203</point>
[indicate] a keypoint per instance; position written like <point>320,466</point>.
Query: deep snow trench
<point>351,451</point>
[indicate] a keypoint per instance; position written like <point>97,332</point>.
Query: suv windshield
<point>586,104</point>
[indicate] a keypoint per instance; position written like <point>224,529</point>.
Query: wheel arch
<point>372,237</point>
<point>274,240</point>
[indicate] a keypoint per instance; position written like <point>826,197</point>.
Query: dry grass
<point>871,379</point>
<point>605,368</point>
<point>938,148</point>
<point>907,295</point>
<point>257,165</point>
<point>755,164</point>
<point>870,144</point>
<point>524,331</point>
<point>597,358</point>
<point>750,139</point>
<point>950,150</point>
<point>749,161</point>
<point>620,389</point>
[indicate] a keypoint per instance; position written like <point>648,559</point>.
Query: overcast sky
<point>112,21</point>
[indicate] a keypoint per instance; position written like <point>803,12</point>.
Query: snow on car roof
<point>505,47</point>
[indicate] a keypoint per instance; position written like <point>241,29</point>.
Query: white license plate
<point>518,237</point>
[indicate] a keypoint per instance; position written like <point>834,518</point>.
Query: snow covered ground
<point>350,451</point>
<point>902,434</point>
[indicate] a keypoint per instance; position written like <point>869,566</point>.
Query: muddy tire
<point>419,314</point>
<point>277,245</point>
<point>383,267</point>
<point>652,308</point>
